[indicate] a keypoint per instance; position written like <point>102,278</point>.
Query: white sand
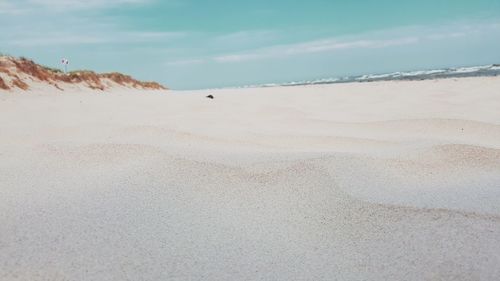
<point>368,181</point>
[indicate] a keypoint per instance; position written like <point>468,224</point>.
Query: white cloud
<point>15,7</point>
<point>90,38</point>
<point>69,29</point>
<point>246,39</point>
<point>326,45</point>
<point>9,8</point>
<point>378,39</point>
<point>61,39</point>
<point>310,47</point>
<point>186,62</point>
<point>83,4</point>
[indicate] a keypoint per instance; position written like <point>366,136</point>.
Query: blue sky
<point>191,44</point>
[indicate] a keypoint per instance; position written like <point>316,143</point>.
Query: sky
<point>194,44</point>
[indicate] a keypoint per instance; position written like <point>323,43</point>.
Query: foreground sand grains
<point>372,181</point>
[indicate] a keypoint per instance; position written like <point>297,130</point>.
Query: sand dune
<point>364,181</point>
<point>24,75</point>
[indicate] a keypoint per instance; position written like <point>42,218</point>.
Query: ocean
<point>473,71</point>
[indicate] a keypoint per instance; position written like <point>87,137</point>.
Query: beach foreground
<point>362,181</point>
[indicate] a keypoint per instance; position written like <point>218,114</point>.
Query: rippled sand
<point>365,181</point>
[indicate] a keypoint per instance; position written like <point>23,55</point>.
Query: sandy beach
<point>359,181</point>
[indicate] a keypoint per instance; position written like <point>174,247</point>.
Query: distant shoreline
<point>490,70</point>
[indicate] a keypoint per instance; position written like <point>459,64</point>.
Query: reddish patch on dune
<point>126,80</point>
<point>20,84</point>
<point>91,79</point>
<point>3,85</point>
<point>31,68</point>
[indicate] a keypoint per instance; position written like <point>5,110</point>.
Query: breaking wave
<point>473,71</point>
